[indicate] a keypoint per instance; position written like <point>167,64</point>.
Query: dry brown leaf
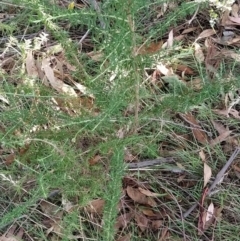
<point>51,209</point>
<point>198,133</point>
<point>222,137</point>
<point>219,127</point>
<point>230,53</point>
<point>210,212</point>
<point>54,214</point>
<point>235,19</point>
<point>9,159</point>
<point>237,171</point>
<point>41,74</point>
<point>123,220</point>
<point>152,48</point>
<point>208,216</point>
<point>224,18</point>
<point>156,224</point>
<point>94,160</point>
<point>147,192</point>
<point>170,39</point>
<point>189,30</point>
<point>198,53</point>
<point>181,178</point>
<point>233,41</point>
<point>207,174</point>
<point>202,156</point>
<point>164,235</point>
<point>141,221</point>
<point>235,10</point>
<point>56,83</point>
<point>234,113</point>
<point>179,38</point>
<point>236,168</point>
<point>11,238</point>
<point>183,68</point>
<point>221,112</point>
<point>7,64</point>
<point>126,237</point>
<point>58,69</point>
<point>96,206</point>
<point>206,33</point>
<point>138,197</point>
<point>30,65</point>
<point>148,212</point>
<point>9,235</point>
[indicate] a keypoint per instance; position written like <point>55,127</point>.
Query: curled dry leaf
<point>139,197</point>
<point>207,174</point>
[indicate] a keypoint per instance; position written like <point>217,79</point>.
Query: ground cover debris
<point>119,120</point>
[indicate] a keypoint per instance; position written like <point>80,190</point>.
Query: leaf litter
<point>142,203</point>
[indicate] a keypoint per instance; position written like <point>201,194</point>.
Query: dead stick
<point>153,162</point>
<point>217,179</point>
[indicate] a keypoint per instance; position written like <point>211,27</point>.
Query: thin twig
<point>153,162</point>
<point>84,36</point>
<point>217,179</point>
